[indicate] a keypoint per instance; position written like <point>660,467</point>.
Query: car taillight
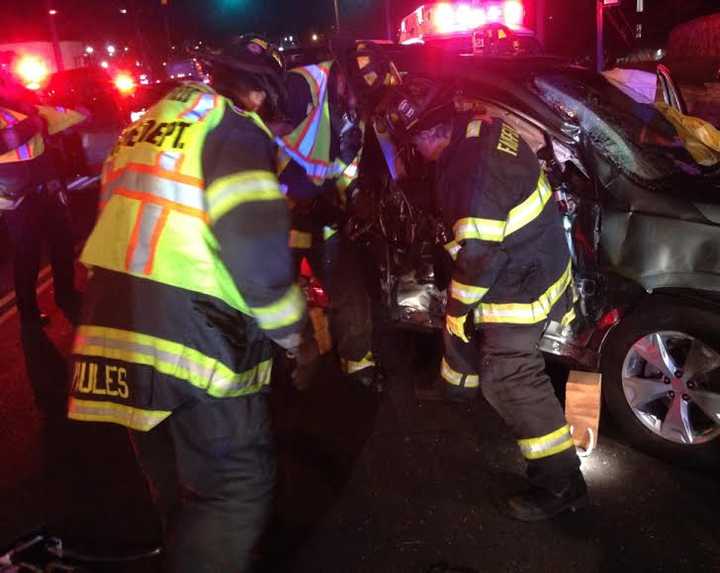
<point>125,83</point>
<point>32,71</point>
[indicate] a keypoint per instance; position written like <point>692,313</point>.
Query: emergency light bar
<point>32,71</point>
<point>446,18</point>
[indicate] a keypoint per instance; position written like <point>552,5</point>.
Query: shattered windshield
<point>636,138</point>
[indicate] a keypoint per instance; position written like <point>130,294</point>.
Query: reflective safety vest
<point>17,174</point>
<point>58,119</point>
<point>155,226</point>
<point>309,144</point>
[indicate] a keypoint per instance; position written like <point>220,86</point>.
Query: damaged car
<point>640,201</point>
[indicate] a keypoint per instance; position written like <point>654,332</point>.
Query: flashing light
<point>444,18</point>
<point>494,14</point>
<point>478,17</point>
<point>33,71</point>
<point>448,18</point>
<point>513,13</point>
<point>125,83</point>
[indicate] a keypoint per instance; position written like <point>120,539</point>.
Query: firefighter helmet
<point>252,59</point>
<point>369,70</point>
<point>419,104</point>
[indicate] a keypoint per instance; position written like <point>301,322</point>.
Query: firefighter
<point>191,285</point>
<point>33,199</point>
<point>321,149</point>
<point>511,274</point>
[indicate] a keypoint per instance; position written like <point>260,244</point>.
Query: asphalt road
<point>367,483</point>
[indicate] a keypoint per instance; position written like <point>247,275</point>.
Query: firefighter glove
<point>457,326</point>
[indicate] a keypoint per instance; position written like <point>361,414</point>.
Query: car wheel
<point>661,380</point>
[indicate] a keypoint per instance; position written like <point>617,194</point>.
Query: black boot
<point>371,378</point>
<point>538,503</point>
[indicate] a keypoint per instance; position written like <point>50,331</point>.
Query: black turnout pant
<point>41,219</point>
<point>338,264</point>
<point>506,363</point>
<point>211,470</point>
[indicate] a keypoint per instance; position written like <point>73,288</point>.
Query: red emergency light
<point>125,83</point>
<point>447,18</point>
<point>32,71</point>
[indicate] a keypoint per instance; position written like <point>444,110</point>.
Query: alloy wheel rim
<point>671,381</point>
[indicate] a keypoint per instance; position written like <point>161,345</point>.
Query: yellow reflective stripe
<point>473,128</point>
<point>547,445</point>
<point>228,192</point>
<point>467,294</point>
<point>285,312</point>
<point>518,217</point>
<point>455,378</point>
<point>529,313</point>
<point>135,418</point>
<point>352,366</point>
<point>531,208</point>
<point>300,239</point>
<point>453,248</point>
<point>172,359</point>
<point>481,229</point>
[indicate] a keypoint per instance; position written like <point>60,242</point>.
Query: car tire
<point>669,320</point>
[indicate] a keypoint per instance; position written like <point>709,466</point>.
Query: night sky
<point>570,21</point>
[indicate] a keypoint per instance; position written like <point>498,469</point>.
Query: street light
<point>123,10</point>
<point>52,11</point>
<point>89,49</point>
<point>111,49</point>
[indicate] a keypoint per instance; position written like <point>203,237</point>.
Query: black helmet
<point>418,104</point>
<point>368,68</point>
<point>252,60</point>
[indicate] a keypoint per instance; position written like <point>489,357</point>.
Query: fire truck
<point>491,27</point>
